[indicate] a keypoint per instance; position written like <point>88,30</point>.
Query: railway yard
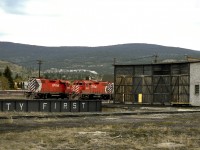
<point>116,127</point>
<point>143,104</point>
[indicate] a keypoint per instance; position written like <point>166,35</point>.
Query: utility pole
<point>39,63</point>
<point>114,61</point>
<point>155,58</point>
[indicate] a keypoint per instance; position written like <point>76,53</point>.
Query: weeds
<point>7,121</point>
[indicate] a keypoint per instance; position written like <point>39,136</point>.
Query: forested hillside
<point>98,59</point>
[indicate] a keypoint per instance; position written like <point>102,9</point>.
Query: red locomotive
<point>80,89</point>
<point>44,88</point>
<point>89,89</point>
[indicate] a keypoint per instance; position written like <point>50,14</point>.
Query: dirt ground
<point>136,132</point>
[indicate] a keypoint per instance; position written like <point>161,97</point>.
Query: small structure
<point>158,83</point>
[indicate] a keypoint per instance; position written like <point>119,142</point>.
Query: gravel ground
<point>142,131</point>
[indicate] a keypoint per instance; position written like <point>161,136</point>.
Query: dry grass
<point>113,132</point>
<point>99,137</point>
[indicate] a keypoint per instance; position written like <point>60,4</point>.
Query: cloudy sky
<point>101,22</point>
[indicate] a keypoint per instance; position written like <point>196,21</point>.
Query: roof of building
<point>189,60</point>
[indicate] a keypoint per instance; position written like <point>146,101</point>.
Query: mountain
<point>99,59</point>
<point>16,69</point>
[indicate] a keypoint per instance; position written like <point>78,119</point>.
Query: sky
<point>101,22</point>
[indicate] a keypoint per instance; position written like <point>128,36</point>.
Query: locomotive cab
<point>89,89</point>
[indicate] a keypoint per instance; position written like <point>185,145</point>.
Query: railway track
<point>16,115</point>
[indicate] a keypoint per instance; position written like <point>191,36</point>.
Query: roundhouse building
<point>159,83</point>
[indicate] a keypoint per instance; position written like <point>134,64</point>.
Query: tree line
<point>7,82</point>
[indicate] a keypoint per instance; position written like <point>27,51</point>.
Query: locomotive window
<point>80,83</point>
<point>196,89</point>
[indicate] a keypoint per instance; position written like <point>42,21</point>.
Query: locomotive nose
<point>75,88</point>
<point>33,85</point>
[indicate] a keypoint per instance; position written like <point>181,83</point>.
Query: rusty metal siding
<point>158,83</point>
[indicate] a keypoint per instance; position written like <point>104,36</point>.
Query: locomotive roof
<point>87,81</point>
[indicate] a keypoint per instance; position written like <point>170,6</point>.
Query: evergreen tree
<point>16,76</point>
<point>8,74</point>
<point>3,83</point>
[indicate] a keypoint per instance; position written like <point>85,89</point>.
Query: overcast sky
<point>101,22</point>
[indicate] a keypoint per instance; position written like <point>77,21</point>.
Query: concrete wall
<point>50,105</point>
<point>194,80</point>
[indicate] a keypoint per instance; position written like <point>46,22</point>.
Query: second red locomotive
<point>89,89</point>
